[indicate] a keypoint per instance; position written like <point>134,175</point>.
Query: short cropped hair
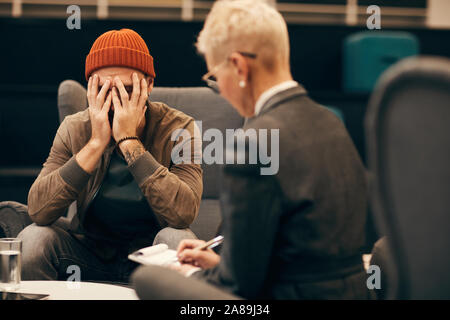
<point>245,25</point>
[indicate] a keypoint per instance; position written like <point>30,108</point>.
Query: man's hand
<point>98,111</point>
<point>91,153</point>
<point>187,254</point>
<point>128,111</point>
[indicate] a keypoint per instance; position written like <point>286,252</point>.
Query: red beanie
<point>120,48</point>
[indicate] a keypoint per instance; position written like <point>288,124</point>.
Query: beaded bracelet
<point>126,138</point>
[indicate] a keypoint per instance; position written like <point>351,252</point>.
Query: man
<point>114,160</point>
<point>295,234</point>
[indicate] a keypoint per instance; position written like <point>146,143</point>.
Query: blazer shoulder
<point>295,112</point>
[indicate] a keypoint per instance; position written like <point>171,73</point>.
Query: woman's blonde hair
<point>245,25</point>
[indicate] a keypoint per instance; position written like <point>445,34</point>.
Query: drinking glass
<point>10,263</point>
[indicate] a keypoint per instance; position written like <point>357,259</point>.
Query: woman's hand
<point>187,254</point>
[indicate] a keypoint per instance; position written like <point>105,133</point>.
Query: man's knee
<point>172,237</point>
<point>38,246</point>
<point>34,233</point>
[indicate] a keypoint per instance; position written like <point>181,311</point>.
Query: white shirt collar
<point>269,93</point>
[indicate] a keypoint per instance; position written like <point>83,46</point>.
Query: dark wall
<point>45,52</point>
<point>37,54</point>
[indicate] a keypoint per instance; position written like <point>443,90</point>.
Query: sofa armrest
<point>13,218</point>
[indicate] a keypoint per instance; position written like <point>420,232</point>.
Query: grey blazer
<point>297,234</point>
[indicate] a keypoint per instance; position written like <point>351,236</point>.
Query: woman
<point>296,233</point>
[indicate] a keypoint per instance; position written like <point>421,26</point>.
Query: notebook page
<point>160,258</point>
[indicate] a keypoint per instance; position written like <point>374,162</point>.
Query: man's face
<point>125,75</point>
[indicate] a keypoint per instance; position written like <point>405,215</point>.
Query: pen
<point>209,244</point>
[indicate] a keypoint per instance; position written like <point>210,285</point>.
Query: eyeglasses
<point>210,78</point>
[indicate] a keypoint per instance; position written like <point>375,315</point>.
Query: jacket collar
<point>269,93</point>
<point>282,97</point>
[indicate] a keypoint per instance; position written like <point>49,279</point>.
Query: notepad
<point>159,254</point>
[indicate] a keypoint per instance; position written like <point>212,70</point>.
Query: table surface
<point>64,290</point>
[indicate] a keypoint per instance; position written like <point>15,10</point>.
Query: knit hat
<point>120,48</point>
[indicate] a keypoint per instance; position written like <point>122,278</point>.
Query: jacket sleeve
<point>250,204</point>
<point>174,194</point>
<point>59,182</point>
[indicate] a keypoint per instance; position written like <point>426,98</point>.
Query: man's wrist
<point>127,145</point>
<point>131,149</point>
<point>89,156</point>
<point>118,142</point>
<point>96,144</point>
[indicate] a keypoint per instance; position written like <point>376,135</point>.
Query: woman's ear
<point>240,64</point>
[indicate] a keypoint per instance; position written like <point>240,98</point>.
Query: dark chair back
<point>408,138</point>
<point>71,98</point>
<point>367,54</point>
